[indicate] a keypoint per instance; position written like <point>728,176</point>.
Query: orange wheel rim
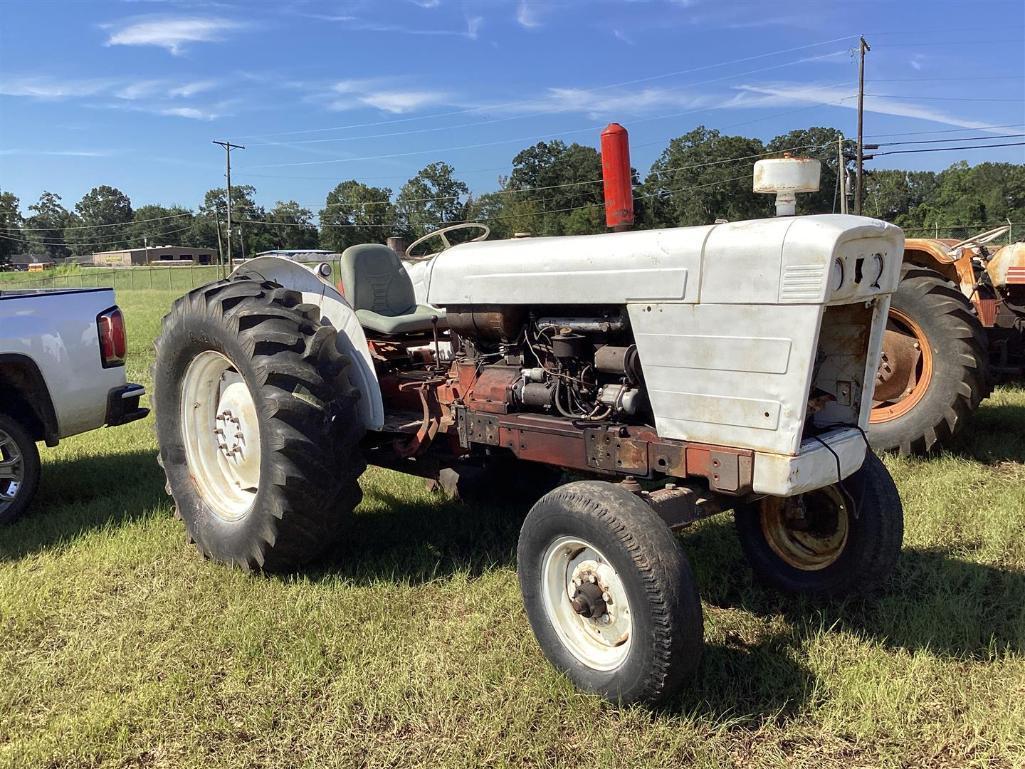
<point>809,532</point>
<point>919,379</point>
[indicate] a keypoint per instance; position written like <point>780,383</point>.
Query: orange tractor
<point>956,322</point>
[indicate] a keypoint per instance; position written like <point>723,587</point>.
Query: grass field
<point>120,646</point>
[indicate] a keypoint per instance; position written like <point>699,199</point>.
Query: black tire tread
<point>871,555</point>
<point>965,344</point>
<point>675,637</point>
<point>316,458</point>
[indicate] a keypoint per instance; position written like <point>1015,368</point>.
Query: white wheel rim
<point>600,642</point>
<point>12,471</point>
<point>221,435</point>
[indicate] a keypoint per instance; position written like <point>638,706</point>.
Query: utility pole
<point>841,173</point>
<point>859,181</point>
<point>220,249</point>
<point>228,147</point>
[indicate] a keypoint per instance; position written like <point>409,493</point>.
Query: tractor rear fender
<point>935,254</point>
<point>333,307</point>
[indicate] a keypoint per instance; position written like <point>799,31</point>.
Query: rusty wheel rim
<point>905,369</point>
<point>808,532</point>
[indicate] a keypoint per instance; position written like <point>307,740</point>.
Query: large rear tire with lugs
<point>933,373</point>
<point>257,423</point>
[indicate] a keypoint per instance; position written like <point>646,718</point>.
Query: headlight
<point>837,277</point>
<point>878,265</point>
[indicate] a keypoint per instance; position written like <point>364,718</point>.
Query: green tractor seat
<point>378,287</point>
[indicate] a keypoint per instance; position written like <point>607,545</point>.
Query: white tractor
<point>674,373</point>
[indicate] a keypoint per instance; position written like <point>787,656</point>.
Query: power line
<point>113,224</point>
<point>937,98</point>
<point>956,139</point>
<point>520,117</point>
<point>949,130</point>
<point>586,90</point>
<point>389,201</point>
<point>944,79</point>
<point>947,149</point>
<point>128,239</point>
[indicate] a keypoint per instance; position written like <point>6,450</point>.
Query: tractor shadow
<point>754,667</point>
<point>423,536</point>
<point>995,434</point>
<point>77,496</point>
<point>755,670</point>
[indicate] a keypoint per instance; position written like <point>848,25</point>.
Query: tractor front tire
<point>257,423</point>
<point>942,376</point>
<point>609,593</point>
<point>840,539</point>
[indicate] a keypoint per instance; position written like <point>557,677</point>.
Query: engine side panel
<point>728,374</point>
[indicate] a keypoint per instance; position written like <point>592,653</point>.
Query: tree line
<point>553,188</point>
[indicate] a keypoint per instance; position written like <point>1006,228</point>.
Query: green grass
<point>120,646</point>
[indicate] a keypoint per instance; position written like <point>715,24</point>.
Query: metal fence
<point>178,279</point>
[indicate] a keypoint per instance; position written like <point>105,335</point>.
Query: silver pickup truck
<point>62,357</point>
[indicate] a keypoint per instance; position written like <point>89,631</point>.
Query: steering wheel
<point>443,234</point>
<point>982,239</point>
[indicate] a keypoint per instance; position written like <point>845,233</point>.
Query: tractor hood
<point>787,260</point>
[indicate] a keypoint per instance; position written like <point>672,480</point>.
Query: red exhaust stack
<point>615,170</point>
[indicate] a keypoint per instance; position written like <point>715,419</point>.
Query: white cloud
<point>916,62</point>
<point>193,113</point>
<point>191,89</point>
<point>45,87</point>
<point>782,94</point>
<point>140,90</point>
<point>171,32</point>
<point>599,102</point>
<point>426,3</point>
<point>60,153</point>
<point>526,15</point>
<point>621,35</point>
<point>473,25</point>
<point>370,93</point>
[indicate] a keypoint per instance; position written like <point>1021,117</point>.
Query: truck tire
<point>839,539</point>
<point>632,630</point>
<point>257,424</point>
<point>933,373</point>
<point>19,469</point>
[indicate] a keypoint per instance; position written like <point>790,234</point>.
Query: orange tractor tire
<point>933,371</point>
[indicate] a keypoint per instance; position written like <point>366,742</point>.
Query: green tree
<point>563,186</point>
<point>355,213</point>
<point>506,214</point>
<point>11,241</point>
<point>891,195</point>
<point>157,225</point>
<point>433,198</point>
<point>291,226</point>
<point>102,221</point>
<point>703,176</point>
<point>249,233</point>
<point>44,230</point>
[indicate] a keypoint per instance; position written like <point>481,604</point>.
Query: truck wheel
<point>257,424</point>
<point>834,540</point>
<point>19,469</point>
<point>932,375</point>
<point>609,593</point>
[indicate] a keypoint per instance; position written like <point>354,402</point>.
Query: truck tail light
<point>110,327</point>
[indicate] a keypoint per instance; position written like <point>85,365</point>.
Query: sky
<point>131,93</point>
